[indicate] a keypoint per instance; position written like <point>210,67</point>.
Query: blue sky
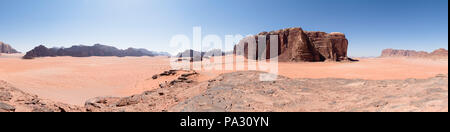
<point>370,25</point>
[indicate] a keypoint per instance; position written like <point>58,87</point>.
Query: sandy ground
<point>366,68</point>
<point>75,80</point>
<point>369,69</point>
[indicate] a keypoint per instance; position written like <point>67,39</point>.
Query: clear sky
<point>370,25</point>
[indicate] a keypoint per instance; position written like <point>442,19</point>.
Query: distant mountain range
<point>6,48</point>
<point>412,53</point>
<point>87,51</point>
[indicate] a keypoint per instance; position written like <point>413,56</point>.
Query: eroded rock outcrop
<point>295,45</point>
<point>244,92</point>
<point>192,55</point>
<point>6,48</point>
<point>14,100</point>
<point>412,53</point>
<point>86,51</point>
<point>184,76</point>
<point>157,100</point>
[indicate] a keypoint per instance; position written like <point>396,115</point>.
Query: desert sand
<point>74,80</point>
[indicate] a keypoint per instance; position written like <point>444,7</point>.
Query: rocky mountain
<point>440,52</point>
<point>194,55</point>
<point>297,45</point>
<point>412,53</point>
<point>244,92</point>
<point>86,51</point>
<point>6,48</point>
<point>199,56</point>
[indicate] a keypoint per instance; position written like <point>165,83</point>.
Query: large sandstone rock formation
<point>243,92</point>
<point>296,45</point>
<point>5,48</point>
<point>412,53</point>
<point>86,51</point>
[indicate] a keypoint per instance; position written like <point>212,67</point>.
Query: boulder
<point>5,96</point>
<point>6,107</point>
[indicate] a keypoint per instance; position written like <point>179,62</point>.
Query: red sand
<point>371,69</point>
<point>368,68</point>
<point>74,80</point>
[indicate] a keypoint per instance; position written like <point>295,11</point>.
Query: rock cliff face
<point>86,51</point>
<point>295,45</point>
<point>412,53</point>
<point>5,48</point>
